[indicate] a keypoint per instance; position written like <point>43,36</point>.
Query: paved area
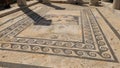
<point>15,8</point>
<point>60,36</point>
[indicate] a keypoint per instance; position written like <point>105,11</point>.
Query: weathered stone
<point>79,1</point>
<point>21,2</point>
<point>93,2</point>
<point>105,0</point>
<point>46,1</point>
<point>76,37</point>
<point>116,4</point>
<point>71,1</point>
<point>40,0</point>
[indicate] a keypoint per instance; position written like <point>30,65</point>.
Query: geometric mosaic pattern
<point>94,44</point>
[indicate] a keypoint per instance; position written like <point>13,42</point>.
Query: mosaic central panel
<point>69,33</point>
<point>62,27</point>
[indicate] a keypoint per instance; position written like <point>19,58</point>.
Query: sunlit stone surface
<point>60,36</point>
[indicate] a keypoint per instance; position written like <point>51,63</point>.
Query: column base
<point>94,2</point>
<point>46,1</point>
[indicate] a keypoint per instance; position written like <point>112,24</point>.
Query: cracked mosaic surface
<point>88,41</point>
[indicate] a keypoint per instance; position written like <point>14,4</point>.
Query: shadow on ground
<point>4,7</point>
<point>15,65</point>
<point>54,6</point>
<point>35,17</point>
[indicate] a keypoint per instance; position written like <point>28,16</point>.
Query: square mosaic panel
<point>77,35</point>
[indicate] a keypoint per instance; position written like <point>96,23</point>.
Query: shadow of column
<point>35,16</point>
<point>54,6</point>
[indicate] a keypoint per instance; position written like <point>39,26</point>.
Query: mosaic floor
<point>50,35</point>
